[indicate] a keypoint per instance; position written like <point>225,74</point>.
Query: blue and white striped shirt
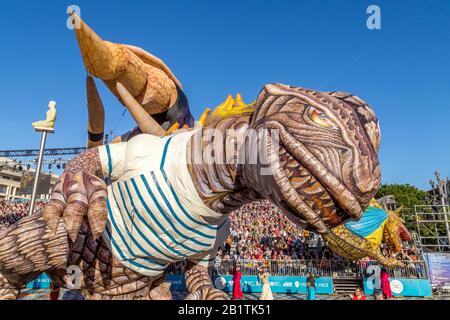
<point>156,216</point>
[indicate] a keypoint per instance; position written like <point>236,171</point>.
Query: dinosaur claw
<point>73,219</point>
<point>51,215</point>
<point>73,235</point>
<point>97,217</point>
<point>53,226</point>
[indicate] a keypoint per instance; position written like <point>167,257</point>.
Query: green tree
<point>405,195</point>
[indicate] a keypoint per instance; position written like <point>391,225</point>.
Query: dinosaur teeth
<point>289,173</point>
<point>293,164</point>
<point>329,204</point>
<point>310,203</point>
<point>298,182</point>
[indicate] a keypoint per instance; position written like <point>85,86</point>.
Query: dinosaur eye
<point>320,118</point>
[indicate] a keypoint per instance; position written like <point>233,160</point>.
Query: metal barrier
<point>274,267</point>
<point>324,268</point>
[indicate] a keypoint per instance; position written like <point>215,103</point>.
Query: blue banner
<point>250,284</point>
<point>403,287</point>
<point>41,282</point>
<point>177,282</point>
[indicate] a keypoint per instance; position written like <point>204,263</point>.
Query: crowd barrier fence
<point>320,268</point>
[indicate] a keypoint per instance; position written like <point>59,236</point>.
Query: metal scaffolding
<point>433,227</point>
<point>35,152</point>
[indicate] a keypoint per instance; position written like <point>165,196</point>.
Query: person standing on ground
<point>228,244</point>
<point>266,291</point>
<point>237,291</point>
<point>311,287</point>
<point>385,284</point>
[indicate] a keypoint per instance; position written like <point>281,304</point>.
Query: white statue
<point>49,122</point>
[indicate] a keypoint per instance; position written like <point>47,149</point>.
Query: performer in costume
<point>311,287</point>
<point>266,291</point>
<point>385,284</point>
<point>237,291</point>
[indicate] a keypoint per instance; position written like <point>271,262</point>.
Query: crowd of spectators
<point>260,231</point>
<point>409,252</point>
<point>13,211</point>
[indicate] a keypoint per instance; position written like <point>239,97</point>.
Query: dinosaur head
<point>324,169</point>
<point>395,231</point>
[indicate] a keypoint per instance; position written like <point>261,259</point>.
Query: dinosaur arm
<point>350,246</point>
<point>96,115</point>
<point>79,191</point>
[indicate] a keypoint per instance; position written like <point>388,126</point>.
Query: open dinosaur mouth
<point>318,210</point>
<point>311,190</point>
<point>308,187</point>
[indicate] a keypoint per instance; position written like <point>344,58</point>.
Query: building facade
<point>11,177</point>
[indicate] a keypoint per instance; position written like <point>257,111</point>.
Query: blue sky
<point>221,47</point>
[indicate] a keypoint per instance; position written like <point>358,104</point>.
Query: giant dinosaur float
<point>355,240</point>
<point>123,212</point>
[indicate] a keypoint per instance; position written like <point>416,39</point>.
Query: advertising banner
<point>403,287</point>
<point>250,284</point>
<point>438,268</point>
<point>41,282</point>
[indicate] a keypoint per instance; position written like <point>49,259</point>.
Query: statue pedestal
<point>42,129</point>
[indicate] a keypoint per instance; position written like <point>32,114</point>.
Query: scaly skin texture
<point>351,246</point>
<point>395,231</point>
<point>323,171</point>
<point>29,248</point>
